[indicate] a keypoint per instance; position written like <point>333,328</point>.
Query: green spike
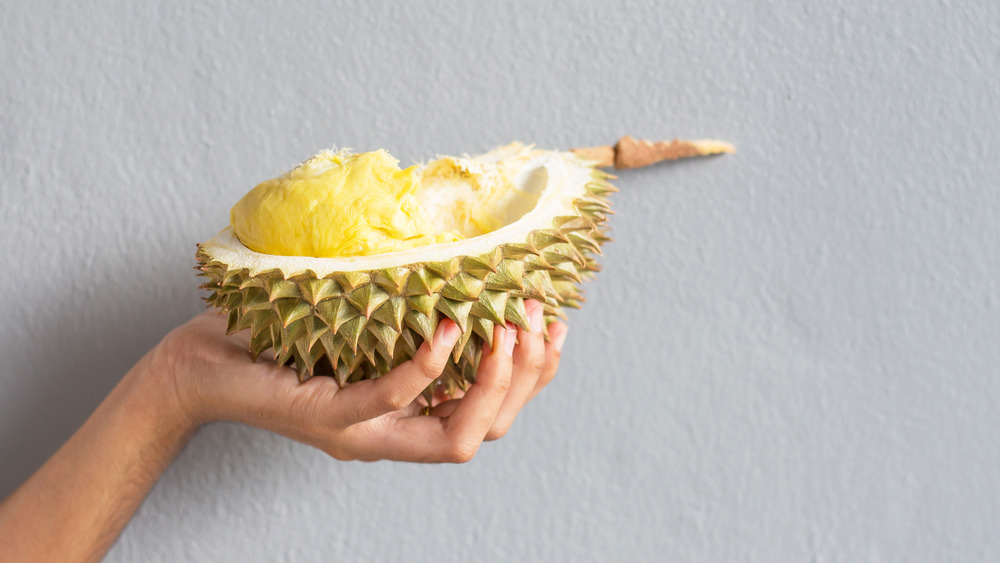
<point>282,356</point>
<point>261,343</point>
<point>516,313</point>
<point>332,346</point>
<point>585,241</point>
<point>566,270</point>
<point>367,298</point>
<point>554,311</point>
<point>484,264</point>
<point>260,322</point>
<point>316,290</point>
<point>351,331</point>
<point>534,286</point>
<point>314,329</point>
<point>518,250</point>
<point>457,311</point>
<point>304,362</point>
<point>256,300</point>
<point>491,306</point>
<point>342,373</point>
<point>232,277</point>
<point>471,351</point>
<point>383,364</point>
<point>463,287</point>
<point>366,344</point>
<point>290,310</point>
<point>601,190</point>
<point>456,352</point>
<point>232,321</point>
<point>391,312</point>
<point>424,325</point>
<point>572,223</point>
<point>595,216</point>
<point>447,268</point>
<point>546,237</point>
<point>592,203</point>
<point>567,290</point>
<point>386,335</point>
<point>409,341</point>
<point>280,288</point>
<point>484,328</point>
<point>350,281</point>
<point>245,321</point>
<point>566,252</point>
<point>423,303</point>
<point>253,281</point>
<point>533,262</point>
<point>295,331</point>
<point>508,277</point>
<point>393,280</point>
<point>335,312</point>
<point>424,282</point>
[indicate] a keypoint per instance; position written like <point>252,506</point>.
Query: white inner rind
<point>566,178</point>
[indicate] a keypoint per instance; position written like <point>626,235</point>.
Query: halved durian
<point>517,223</point>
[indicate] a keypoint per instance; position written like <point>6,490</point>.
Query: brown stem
<point>635,153</point>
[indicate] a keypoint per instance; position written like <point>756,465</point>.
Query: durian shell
<point>360,324</point>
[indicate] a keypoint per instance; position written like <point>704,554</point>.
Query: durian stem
<point>635,153</point>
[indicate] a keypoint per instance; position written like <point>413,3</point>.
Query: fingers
<point>529,361</point>
<point>468,424</point>
<point>553,351</point>
<point>456,437</point>
<point>395,390</point>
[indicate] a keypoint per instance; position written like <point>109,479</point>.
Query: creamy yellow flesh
<point>340,204</point>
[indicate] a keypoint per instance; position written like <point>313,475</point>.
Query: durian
<point>360,283</point>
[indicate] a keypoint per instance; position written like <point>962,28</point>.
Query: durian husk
<point>357,325</point>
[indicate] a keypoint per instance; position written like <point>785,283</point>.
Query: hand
<point>213,378</point>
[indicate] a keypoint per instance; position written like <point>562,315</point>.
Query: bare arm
<point>75,506</point>
<point>77,503</point>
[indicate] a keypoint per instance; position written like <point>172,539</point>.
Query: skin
<point>75,506</point>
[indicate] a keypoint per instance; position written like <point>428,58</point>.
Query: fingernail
<point>535,316</point>
<point>560,337</point>
<point>509,339</point>
<point>446,334</point>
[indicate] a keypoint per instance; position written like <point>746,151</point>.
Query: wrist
<point>155,389</point>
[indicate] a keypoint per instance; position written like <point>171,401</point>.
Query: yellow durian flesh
<point>338,204</point>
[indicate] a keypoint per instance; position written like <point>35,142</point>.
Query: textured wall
<point>790,356</point>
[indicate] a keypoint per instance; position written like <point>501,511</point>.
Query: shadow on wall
<point>77,346</point>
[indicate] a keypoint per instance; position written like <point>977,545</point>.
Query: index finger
<point>365,400</point>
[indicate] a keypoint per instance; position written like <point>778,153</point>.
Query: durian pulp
<point>339,204</point>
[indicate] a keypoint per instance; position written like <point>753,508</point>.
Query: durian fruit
<point>361,296</point>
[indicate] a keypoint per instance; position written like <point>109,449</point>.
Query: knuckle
<point>461,452</point>
<point>337,453</point>
<point>393,401</point>
<point>555,356</point>
<point>536,362</point>
<point>498,431</point>
<point>430,366</point>
<point>503,386</point>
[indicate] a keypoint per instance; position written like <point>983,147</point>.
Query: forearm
<point>75,505</point>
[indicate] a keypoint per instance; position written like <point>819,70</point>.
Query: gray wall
<point>790,356</point>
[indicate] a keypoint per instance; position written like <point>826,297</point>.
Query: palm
<point>373,419</point>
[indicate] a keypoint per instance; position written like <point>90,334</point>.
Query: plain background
<point>791,355</point>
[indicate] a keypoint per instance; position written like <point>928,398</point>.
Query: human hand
<point>213,378</point>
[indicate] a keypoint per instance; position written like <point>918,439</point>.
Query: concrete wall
<point>790,356</point>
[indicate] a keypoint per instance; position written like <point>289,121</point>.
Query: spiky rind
<point>358,325</point>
